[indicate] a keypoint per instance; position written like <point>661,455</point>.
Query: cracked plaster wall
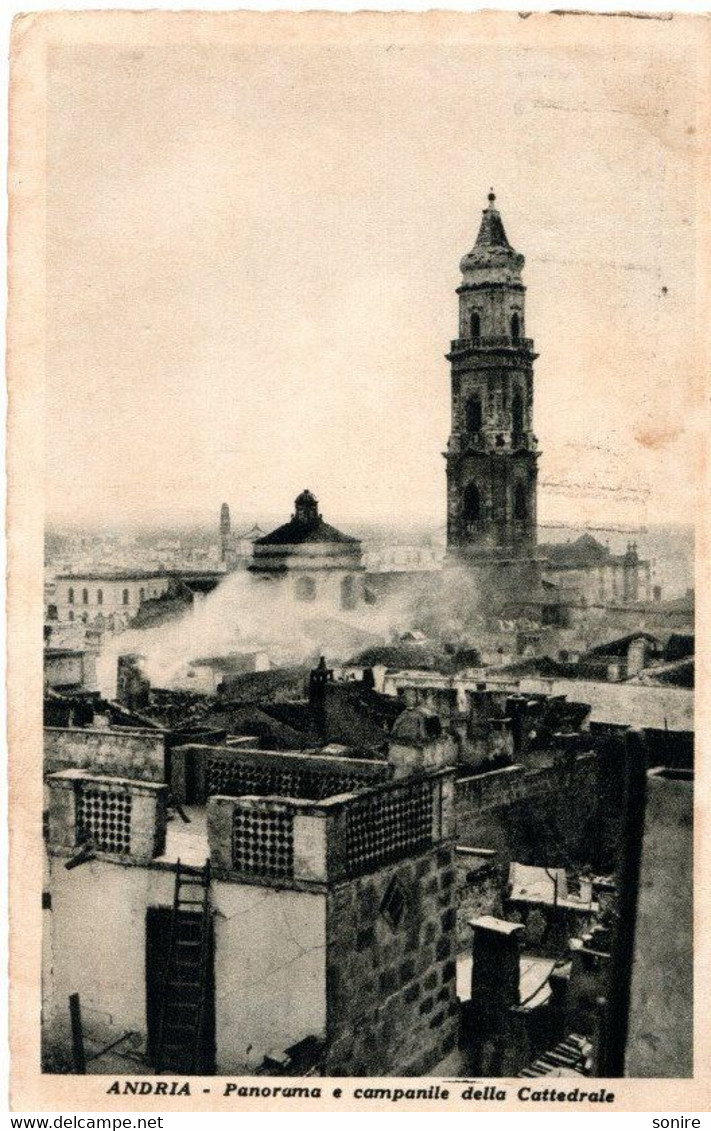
<point>270,971</point>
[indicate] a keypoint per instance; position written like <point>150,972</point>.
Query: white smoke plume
<point>244,614</point>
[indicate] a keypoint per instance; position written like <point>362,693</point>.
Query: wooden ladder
<point>180,1032</point>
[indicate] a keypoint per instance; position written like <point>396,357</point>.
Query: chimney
<point>418,743</point>
<point>495,964</point>
<point>132,687</point>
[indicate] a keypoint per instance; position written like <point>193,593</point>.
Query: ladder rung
<point>180,1019</point>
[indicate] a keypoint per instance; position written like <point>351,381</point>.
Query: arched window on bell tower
<point>520,504</point>
<point>515,326</point>
<point>475,325</point>
<point>517,414</point>
<point>474,414</point>
<point>472,508</point>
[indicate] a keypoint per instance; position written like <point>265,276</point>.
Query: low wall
<point>624,704</point>
<point>270,972</point>
<point>199,771</point>
<point>287,842</point>
<point>97,931</point>
<point>478,792</point>
<point>565,813</point>
<point>119,752</point>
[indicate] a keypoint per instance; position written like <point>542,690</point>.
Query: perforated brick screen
<point>104,818</point>
<point>233,777</point>
<point>384,827</point>
<point>263,842</point>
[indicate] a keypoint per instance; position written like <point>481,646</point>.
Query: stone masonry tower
<point>492,452</point>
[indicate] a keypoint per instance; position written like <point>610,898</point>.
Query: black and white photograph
<point>362,462</point>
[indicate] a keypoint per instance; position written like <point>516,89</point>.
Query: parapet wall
<point>567,810</point>
<point>200,771</point>
<point>113,818</point>
<point>290,842</point>
<point>124,752</point>
<point>624,704</point>
<point>480,792</point>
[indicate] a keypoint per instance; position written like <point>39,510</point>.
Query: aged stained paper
<point>384,799</point>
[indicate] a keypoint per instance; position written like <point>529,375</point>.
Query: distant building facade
<point>314,560</point>
<point>100,597</point>
<point>587,572</point>
<point>236,547</point>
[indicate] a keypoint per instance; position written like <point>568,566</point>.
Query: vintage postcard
<point>357,468</point>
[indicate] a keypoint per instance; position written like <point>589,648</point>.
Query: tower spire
<point>491,230</point>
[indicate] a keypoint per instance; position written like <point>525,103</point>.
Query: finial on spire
<point>492,196</point>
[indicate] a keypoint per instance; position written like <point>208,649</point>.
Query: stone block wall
<point>567,812</point>
<point>120,752</point>
<point>391,985</point>
<point>480,881</point>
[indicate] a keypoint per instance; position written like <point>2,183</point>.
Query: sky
<point>253,252</point>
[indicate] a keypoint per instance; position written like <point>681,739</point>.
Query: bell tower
<point>492,452</point>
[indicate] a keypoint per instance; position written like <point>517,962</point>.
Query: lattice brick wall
<point>104,818</point>
<point>231,777</point>
<point>263,842</point>
<point>387,826</point>
<point>234,777</point>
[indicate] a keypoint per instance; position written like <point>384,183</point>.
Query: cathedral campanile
<point>492,452</point>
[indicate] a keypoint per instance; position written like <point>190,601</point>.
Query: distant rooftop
<point>113,574</point>
<point>620,645</point>
<point>585,551</point>
<point>305,526</point>
<point>135,574</point>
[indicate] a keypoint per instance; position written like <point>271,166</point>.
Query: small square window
<point>394,903</point>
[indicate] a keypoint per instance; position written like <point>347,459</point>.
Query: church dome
<point>306,526</point>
